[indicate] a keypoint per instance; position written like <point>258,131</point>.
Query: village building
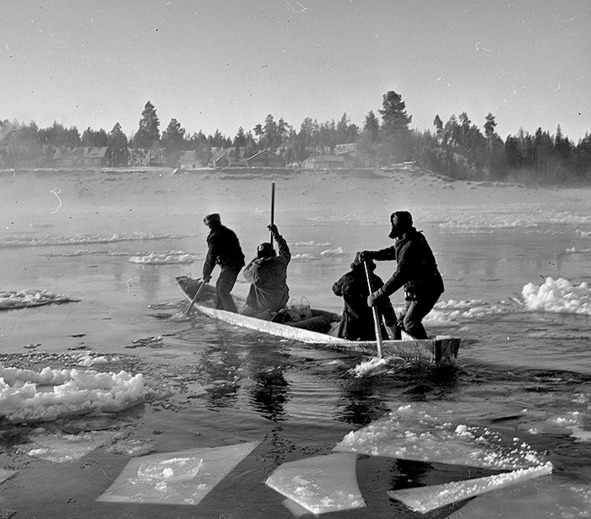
<point>327,162</point>
<point>188,160</point>
<point>92,156</point>
<point>265,159</point>
<point>220,162</point>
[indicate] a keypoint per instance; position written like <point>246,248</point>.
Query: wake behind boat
<point>440,350</point>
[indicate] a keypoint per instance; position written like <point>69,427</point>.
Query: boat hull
<point>440,350</point>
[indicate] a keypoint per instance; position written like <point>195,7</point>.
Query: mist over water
<point>515,263</point>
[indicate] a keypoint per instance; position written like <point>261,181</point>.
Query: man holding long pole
<point>223,250</point>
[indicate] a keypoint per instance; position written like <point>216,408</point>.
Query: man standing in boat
<point>267,274</point>
<point>223,250</point>
<point>416,271</point>
<point>357,319</point>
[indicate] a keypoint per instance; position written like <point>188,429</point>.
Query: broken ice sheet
<point>59,448</point>
<point>175,478</point>
<point>545,498</point>
<point>412,433</point>
<point>425,499</point>
<point>320,484</point>
<point>6,474</point>
<point>132,446</point>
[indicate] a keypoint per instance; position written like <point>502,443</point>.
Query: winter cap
<point>357,262</point>
<point>212,218</point>
<point>402,220</point>
<point>266,250</point>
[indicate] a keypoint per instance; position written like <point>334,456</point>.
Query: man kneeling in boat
<point>267,274</point>
<point>416,271</point>
<point>357,319</point>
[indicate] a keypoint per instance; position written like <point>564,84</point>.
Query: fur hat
<point>212,219</point>
<point>402,220</point>
<point>357,262</point>
<point>266,250</point>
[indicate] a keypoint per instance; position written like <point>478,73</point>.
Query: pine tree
<point>117,147</point>
<point>148,132</point>
<point>395,134</point>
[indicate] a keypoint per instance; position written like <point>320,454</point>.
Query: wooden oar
<point>376,317</point>
<point>272,208</point>
<point>195,298</point>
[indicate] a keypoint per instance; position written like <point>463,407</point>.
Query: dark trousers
<point>414,312</point>
<point>224,285</point>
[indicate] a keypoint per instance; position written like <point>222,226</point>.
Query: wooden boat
<point>440,350</point>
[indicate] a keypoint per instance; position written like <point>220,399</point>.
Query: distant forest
<point>457,148</point>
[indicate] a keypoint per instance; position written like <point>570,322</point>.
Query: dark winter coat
<point>223,250</point>
<point>357,321</point>
<point>416,269</point>
<point>268,278</point>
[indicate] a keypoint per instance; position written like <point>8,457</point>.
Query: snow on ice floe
<point>13,299</point>
<point>165,258</point>
<point>333,252</point>
<point>320,484</point>
<point>445,312</point>
<point>426,499</point>
<point>79,239</point>
<point>27,395</point>
<point>61,448</point>
<point>558,296</point>
<point>412,433</point>
<point>175,478</point>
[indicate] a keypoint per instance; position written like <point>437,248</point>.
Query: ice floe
<point>165,258</point>
<point>558,296</point>
<point>543,498</point>
<point>60,447</point>
<point>6,474</point>
<point>27,395</point>
<point>12,299</point>
<point>179,478</point>
<point>77,239</point>
<point>425,499</point>
<point>320,484</point>
<point>412,433</point>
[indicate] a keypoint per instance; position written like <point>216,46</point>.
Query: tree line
<point>457,148</point>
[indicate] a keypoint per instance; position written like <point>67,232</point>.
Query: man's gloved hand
<point>366,255</point>
<point>273,229</point>
<point>372,299</point>
<point>206,279</point>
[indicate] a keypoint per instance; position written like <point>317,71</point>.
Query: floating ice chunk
<point>70,392</point>
<point>413,434</point>
<point>425,499</point>
<point>132,447</point>
<point>6,474</point>
<point>10,299</point>
<point>59,448</point>
<point>321,484</point>
<point>558,296</point>
<point>333,252</point>
<point>544,498</point>
<point>175,478</point>
<point>165,258</point>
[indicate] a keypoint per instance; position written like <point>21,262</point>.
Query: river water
<point>515,293</point>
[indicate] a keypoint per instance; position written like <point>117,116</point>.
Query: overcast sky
<point>221,64</point>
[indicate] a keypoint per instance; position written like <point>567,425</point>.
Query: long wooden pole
<point>376,317</point>
<point>272,208</point>
<point>195,298</point>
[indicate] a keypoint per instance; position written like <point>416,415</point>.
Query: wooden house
<point>265,159</point>
<point>91,156</point>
